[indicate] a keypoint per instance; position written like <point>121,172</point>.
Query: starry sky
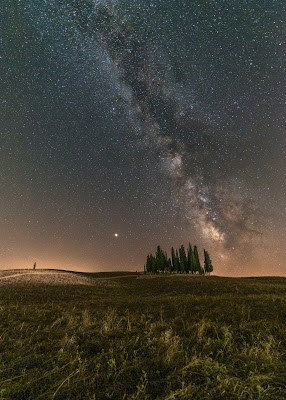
<point>161,120</point>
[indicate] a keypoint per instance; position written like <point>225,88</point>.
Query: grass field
<point>137,337</point>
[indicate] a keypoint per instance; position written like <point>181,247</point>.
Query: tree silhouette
<point>183,259</point>
<point>207,263</point>
<point>180,262</point>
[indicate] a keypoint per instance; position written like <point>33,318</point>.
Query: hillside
<point>142,337</point>
<point>53,277</point>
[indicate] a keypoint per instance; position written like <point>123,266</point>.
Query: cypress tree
<point>191,259</point>
<point>173,260</point>
<point>183,259</point>
<point>211,268</point>
<point>166,262</point>
<point>154,267</point>
<point>149,263</point>
<point>198,267</point>
<point>194,271</point>
<point>169,266</point>
<point>207,263</point>
<point>178,267</point>
<point>158,259</point>
<point>161,260</point>
<point>188,265</point>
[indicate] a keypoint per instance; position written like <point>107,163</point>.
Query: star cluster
<point>127,124</point>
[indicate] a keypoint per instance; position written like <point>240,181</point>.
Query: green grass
<point>145,337</point>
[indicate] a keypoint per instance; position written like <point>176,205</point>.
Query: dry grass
<point>44,277</point>
<point>132,338</point>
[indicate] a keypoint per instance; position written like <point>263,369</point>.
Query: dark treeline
<point>182,262</point>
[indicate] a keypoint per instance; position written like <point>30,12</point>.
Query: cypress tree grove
<point>180,262</point>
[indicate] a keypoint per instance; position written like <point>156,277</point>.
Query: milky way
<point>161,120</point>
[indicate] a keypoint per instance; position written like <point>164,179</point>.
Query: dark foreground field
<point>141,337</point>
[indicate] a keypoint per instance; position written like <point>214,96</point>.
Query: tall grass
<point>143,338</point>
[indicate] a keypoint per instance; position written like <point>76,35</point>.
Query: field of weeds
<point>138,337</point>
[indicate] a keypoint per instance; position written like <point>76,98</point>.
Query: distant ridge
<point>44,276</point>
<point>51,276</point>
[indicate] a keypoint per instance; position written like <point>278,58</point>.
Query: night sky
<point>162,121</point>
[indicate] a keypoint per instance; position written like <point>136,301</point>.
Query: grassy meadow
<point>137,337</point>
